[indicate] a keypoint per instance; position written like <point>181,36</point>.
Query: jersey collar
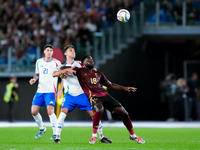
<point>49,61</point>
<point>71,63</point>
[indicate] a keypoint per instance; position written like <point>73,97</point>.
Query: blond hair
<point>180,81</point>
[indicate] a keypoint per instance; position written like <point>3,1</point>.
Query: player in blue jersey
<point>46,91</point>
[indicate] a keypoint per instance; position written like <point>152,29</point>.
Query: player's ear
<point>65,53</point>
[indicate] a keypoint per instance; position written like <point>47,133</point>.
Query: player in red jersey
<point>91,83</point>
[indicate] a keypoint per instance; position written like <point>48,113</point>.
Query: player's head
<point>194,76</point>
<point>87,62</point>
<point>181,82</point>
<point>13,78</point>
<point>69,51</point>
<point>48,50</point>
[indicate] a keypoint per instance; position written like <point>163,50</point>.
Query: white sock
<point>60,123</point>
<point>133,136</point>
<point>53,120</point>
<point>100,130</point>
<point>38,120</point>
<point>94,135</point>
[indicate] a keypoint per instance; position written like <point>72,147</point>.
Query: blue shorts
<point>81,101</point>
<point>44,99</point>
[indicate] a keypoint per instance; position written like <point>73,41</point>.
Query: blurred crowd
<point>182,97</point>
<point>26,24</point>
<point>171,11</point>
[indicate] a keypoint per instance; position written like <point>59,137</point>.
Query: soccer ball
<point>123,15</point>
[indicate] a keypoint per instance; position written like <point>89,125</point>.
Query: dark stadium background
<point>141,69</point>
<point>142,64</point>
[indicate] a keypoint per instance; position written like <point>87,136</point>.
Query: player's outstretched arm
<point>34,79</point>
<point>63,76</point>
<point>61,72</point>
<point>130,89</point>
<point>120,87</point>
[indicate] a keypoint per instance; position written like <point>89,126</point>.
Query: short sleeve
<point>103,79</point>
<point>37,67</point>
<point>78,64</point>
<point>58,65</point>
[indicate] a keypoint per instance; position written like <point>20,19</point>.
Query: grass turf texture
<point>18,138</point>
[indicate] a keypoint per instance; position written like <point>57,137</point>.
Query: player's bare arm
<point>59,93</point>
<point>60,72</point>
<point>16,85</point>
<point>63,76</point>
<point>119,87</point>
<point>34,79</point>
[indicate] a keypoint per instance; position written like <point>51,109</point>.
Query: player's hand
<point>31,81</point>
<point>63,75</point>
<point>71,71</point>
<point>130,89</point>
<point>94,69</point>
<point>16,85</point>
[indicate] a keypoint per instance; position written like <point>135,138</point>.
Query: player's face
<point>48,52</point>
<point>89,63</point>
<point>13,80</point>
<point>70,52</point>
<point>195,77</point>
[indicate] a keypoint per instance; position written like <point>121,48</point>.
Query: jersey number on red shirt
<point>93,80</point>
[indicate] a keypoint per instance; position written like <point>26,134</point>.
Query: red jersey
<point>91,82</point>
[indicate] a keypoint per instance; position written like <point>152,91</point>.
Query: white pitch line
<point>136,124</point>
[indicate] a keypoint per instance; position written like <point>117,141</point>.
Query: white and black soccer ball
<point>123,15</point>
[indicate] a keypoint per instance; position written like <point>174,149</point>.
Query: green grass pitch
<point>76,138</point>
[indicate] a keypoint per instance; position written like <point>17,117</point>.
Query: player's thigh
<point>97,104</point>
<point>38,99</point>
<point>69,102</point>
<point>50,99</point>
<point>83,103</point>
<point>121,112</point>
<point>110,103</point>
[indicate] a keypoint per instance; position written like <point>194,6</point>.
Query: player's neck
<point>70,61</point>
<point>88,68</point>
<point>47,59</point>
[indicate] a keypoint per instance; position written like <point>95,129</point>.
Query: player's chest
<point>47,68</point>
<point>93,78</point>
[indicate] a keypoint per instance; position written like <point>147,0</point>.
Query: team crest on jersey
<point>41,66</point>
<point>95,74</point>
<point>85,74</point>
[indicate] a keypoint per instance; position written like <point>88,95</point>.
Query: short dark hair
<point>48,45</point>
<point>68,46</point>
<point>83,58</point>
